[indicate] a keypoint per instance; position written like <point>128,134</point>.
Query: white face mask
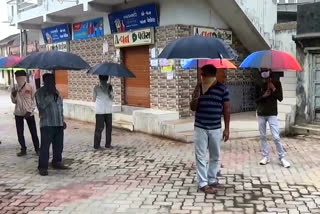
<point>21,80</point>
<point>265,74</point>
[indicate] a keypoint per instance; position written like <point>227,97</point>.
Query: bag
<point>195,98</point>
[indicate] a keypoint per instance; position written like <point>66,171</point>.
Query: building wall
<point>284,42</point>
<point>263,14</point>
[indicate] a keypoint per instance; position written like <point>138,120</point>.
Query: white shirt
<point>102,100</point>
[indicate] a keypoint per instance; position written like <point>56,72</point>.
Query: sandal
<point>208,189</point>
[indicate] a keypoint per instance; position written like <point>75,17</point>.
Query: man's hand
<point>271,86</point>
<point>226,134</point>
<point>27,115</point>
<point>267,93</point>
<point>64,125</point>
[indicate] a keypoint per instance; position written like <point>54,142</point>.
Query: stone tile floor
<point>146,174</point>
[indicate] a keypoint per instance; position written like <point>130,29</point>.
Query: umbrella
<point>218,63</point>
<point>53,60</point>
<point>111,69</point>
<point>9,61</point>
<point>271,59</point>
<point>197,47</point>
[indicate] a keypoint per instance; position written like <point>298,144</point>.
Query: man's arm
<point>94,93</point>
<point>43,101</point>
<point>226,114</point>
<point>277,91</point>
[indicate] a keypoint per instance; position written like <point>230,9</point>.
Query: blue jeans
<point>274,128</point>
<point>50,135</point>
<point>203,140</point>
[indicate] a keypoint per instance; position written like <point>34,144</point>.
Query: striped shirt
<point>210,107</point>
<point>50,108</point>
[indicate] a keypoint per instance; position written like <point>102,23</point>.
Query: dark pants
<point>50,135</point>
<point>102,119</point>
<point>33,130</point>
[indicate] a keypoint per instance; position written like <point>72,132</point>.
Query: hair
<point>103,77</point>
<point>209,70</point>
<point>48,77</point>
<point>20,73</point>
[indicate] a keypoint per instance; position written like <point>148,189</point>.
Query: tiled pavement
<point>145,174</point>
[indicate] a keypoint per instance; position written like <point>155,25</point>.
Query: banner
<point>225,35</point>
<point>134,38</point>
<point>134,18</point>
<point>60,33</point>
<point>88,29</point>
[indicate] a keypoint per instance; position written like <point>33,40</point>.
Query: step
<point>289,100</point>
<point>123,125</point>
<point>283,108</point>
<point>180,125</point>
<point>122,117</point>
<point>289,86</point>
<point>306,129</point>
<point>290,80</point>
<point>287,93</point>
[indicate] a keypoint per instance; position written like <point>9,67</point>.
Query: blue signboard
<point>134,18</point>
<point>55,34</point>
<point>88,29</point>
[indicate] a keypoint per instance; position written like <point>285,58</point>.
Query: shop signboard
<point>225,35</point>
<point>134,38</point>
<point>134,18</point>
<point>59,33</point>
<point>88,29</point>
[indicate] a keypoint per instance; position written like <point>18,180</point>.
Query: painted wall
<point>188,12</point>
<point>263,14</point>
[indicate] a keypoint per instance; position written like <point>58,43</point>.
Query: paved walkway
<point>145,174</point>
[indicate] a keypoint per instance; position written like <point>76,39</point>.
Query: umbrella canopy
<point>271,59</point>
<point>218,63</point>
<point>9,61</point>
<point>197,47</point>
<point>111,69</point>
<point>53,60</point>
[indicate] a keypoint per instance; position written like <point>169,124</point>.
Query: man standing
<point>210,101</point>
<point>24,99</point>
<point>102,96</point>
<point>52,124</point>
<point>267,95</point>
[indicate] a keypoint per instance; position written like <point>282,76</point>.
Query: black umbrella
<point>111,69</point>
<point>198,47</point>
<point>53,60</point>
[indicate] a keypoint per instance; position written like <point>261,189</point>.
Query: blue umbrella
<point>198,47</point>
<point>111,69</point>
<point>53,60</point>
<point>189,64</point>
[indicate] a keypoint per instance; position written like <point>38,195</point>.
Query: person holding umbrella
<point>103,96</point>
<point>210,101</point>
<point>267,95</point>
<point>50,106</point>
<point>24,99</point>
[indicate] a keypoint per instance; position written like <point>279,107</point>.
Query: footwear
<point>208,189</point>
<point>109,147</point>
<point>22,153</point>
<point>60,166</point>
<point>264,161</point>
<point>285,163</point>
<point>216,185</point>
<point>43,172</point>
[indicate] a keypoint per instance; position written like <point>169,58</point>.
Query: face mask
<point>21,80</point>
<point>265,75</point>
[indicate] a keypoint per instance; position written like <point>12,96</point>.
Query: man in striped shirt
<point>212,101</point>
<point>50,106</point>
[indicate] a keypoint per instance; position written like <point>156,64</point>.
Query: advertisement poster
<point>134,18</point>
<point>88,29</point>
<point>59,33</point>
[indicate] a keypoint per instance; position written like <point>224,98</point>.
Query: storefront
<point>136,39</point>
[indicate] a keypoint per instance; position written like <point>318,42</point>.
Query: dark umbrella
<point>53,60</point>
<point>198,47</point>
<point>111,69</point>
